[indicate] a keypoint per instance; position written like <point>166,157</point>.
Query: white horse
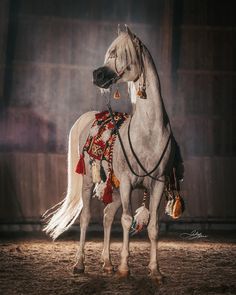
<point>126,60</point>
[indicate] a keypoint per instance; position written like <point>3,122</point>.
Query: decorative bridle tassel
<point>117,94</point>
<point>141,93</point>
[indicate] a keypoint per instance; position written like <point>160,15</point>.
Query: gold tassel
<point>115,181</point>
<point>141,93</point>
<point>177,208</point>
<point>117,94</point>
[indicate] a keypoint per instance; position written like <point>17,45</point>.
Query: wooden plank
<point>4,13</point>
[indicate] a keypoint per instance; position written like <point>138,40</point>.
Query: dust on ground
<point>39,266</point>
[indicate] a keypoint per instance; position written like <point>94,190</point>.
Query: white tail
<point>64,216</point>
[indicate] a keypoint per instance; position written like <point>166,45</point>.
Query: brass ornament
<point>141,93</point>
<point>117,94</point>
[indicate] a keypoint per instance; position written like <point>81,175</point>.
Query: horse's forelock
<point>125,44</point>
<point>128,54</point>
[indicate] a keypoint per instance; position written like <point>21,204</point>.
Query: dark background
<point>48,50</point>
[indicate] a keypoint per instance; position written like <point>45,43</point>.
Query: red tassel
<point>80,168</point>
<point>107,196</point>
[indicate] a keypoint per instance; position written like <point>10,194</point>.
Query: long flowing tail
<point>66,212</point>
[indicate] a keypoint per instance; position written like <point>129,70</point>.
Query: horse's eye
<point>112,54</point>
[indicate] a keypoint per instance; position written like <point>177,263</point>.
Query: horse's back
<point>83,124</point>
<point>84,119</point>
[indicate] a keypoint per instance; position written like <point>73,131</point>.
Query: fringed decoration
<point>99,190</point>
<point>175,203</point>
<point>115,181</point>
<point>142,215</point>
<point>107,197</point>
<point>141,218</point>
<point>169,207</point>
<point>96,172</point>
<point>80,168</point>
<point>103,173</point>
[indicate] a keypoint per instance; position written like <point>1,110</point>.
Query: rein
<point>138,161</point>
<point>133,152</point>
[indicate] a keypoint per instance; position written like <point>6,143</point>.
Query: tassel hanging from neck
<point>80,168</point>
<point>141,93</point>
<point>117,94</point>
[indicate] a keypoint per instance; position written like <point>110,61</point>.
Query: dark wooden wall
<point>48,50</point>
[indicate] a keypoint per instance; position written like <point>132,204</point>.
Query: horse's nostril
<point>103,77</point>
<point>100,75</point>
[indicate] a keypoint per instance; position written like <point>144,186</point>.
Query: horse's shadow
<point>143,286</point>
<point>93,284</point>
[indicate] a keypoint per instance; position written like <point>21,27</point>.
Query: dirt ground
<point>39,266</point>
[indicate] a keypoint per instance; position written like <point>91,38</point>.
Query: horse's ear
<point>128,31</point>
<point>118,29</point>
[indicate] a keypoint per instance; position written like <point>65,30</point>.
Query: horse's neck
<point>150,114</point>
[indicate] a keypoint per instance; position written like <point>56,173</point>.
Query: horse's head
<point>122,61</point>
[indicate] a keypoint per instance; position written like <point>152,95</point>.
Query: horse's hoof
<point>109,269</point>
<point>78,270</point>
<point>122,274</point>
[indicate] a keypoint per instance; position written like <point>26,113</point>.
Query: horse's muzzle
<point>103,77</point>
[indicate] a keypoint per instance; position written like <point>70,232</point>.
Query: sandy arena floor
<point>37,266</point>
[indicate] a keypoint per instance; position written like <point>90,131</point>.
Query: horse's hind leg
<point>109,213</point>
<point>153,231</point>
<point>84,221</point>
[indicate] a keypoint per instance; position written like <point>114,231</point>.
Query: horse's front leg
<point>109,213</point>
<point>126,220</point>
<point>84,221</point>
<point>152,228</point>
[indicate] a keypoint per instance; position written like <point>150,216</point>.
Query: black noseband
<point>103,77</point>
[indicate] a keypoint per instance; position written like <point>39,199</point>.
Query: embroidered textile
<point>102,135</point>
